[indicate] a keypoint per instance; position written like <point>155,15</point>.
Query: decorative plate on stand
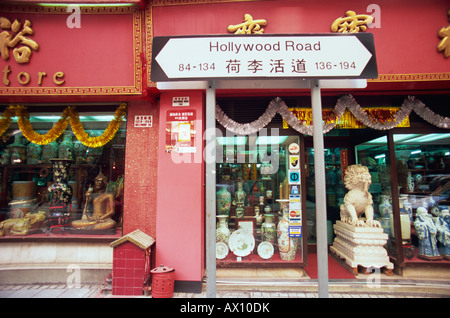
<point>221,250</point>
<point>265,250</point>
<point>241,243</point>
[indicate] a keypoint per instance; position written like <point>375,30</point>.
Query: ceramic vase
<point>223,201</point>
<point>222,231</point>
<point>286,245</point>
<point>258,216</point>
<point>268,229</point>
<point>6,157</point>
<point>385,207</point>
<point>407,207</point>
<point>410,182</point>
<point>405,225</point>
<point>60,194</point>
<point>80,152</point>
<point>49,151</point>
<point>34,152</point>
<point>17,150</point>
<point>65,150</point>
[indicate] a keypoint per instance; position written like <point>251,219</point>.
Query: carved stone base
<point>361,246</point>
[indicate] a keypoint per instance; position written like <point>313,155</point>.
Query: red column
<point>180,195</point>
<point>141,166</point>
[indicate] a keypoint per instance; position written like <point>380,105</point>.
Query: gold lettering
<point>40,77</point>
<point>6,72</point>
<point>15,37</point>
<point>56,76</point>
<point>352,23</point>
<point>249,26</point>
<point>27,78</point>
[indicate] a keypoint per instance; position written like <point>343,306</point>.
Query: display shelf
<point>254,260</point>
<point>61,237</point>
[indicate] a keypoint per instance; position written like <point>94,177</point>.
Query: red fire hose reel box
<point>162,281</point>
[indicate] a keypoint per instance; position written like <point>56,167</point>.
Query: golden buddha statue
<point>101,204</point>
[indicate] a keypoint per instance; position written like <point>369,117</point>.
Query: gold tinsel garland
<point>70,115</point>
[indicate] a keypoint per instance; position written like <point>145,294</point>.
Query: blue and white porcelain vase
<point>385,207</point>
<point>407,207</point>
<point>410,182</point>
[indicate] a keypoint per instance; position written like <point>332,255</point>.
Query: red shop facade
<point>97,60</point>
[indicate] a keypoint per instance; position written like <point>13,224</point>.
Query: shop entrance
<point>259,168</point>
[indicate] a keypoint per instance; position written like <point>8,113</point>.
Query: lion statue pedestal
<point>360,241</point>
<point>361,246</point>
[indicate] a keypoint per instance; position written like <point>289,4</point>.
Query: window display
<point>58,184</point>
<point>336,163</point>
<point>259,209</point>
<point>423,175</point>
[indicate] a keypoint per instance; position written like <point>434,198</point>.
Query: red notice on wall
<point>180,131</point>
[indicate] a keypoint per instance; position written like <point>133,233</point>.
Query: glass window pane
<point>253,200</point>
<point>374,154</point>
<point>40,195</point>
<point>423,165</point>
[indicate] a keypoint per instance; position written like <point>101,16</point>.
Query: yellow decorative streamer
<point>97,141</point>
<point>23,119</point>
<point>70,115</point>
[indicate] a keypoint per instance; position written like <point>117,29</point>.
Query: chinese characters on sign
<point>352,23</point>
<point>180,131</point>
<point>444,34</point>
<point>13,36</point>
<point>142,121</point>
<point>249,26</point>
<point>276,66</point>
<point>294,56</point>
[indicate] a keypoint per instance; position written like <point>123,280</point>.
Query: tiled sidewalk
<point>95,291</point>
<point>48,291</point>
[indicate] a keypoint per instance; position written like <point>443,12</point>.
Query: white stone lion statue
<point>358,200</point>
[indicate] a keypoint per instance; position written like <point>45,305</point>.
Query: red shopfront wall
<point>406,36</point>
<point>180,217</point>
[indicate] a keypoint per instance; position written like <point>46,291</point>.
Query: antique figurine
<point>358,200</point>
<point>443,232</point>
<point>101,204</point>
<point>22,226</point>
<point>239,201</point>
<point>426,232</point>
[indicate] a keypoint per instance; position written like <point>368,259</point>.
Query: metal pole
<point>319,170</point>
<point>210,191</point>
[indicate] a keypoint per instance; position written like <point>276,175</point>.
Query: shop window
<point>374,155</point>
<point>259,212</point>
<point>423,171</point>
<point>423,175</point>
<point>63,188</point>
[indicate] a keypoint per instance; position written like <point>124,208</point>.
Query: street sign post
<point>321,56</point>
<point>316,57</point>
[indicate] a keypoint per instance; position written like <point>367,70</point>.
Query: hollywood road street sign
<point>321,56</point>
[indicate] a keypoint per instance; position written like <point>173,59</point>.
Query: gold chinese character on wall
<point>444,34</point>
<point>249,26</point>
<point>351,23</point>
<point>14,36</point>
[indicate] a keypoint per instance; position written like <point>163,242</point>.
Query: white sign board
<point>269,56</point>
<point>143,121</point>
